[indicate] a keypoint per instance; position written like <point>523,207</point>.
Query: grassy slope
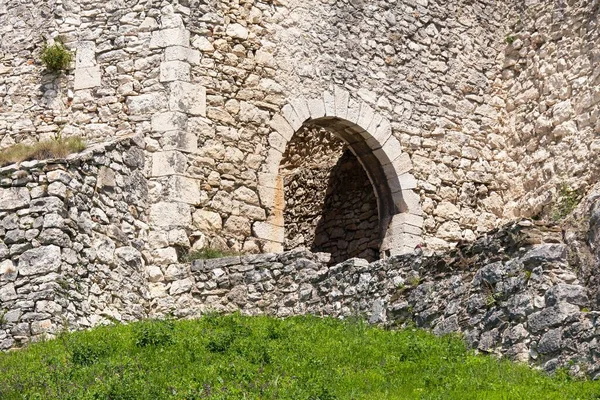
<point>234,357</point>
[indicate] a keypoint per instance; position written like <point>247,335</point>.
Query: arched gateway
<point>369,136</point>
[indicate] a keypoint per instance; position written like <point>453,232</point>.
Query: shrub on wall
<point>56,57</point>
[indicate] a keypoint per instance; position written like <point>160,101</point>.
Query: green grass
<point>55,148</point>
<point>234,357</point>
<point>56,57</point>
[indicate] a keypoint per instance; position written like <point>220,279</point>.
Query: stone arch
<point>369,137</point>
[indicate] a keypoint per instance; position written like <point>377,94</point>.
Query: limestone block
<point>154,274</point>
<point>41,260</point>
<point>168,163</point>
<point>174,71</point>
<point>182,286</point>
<point>165,214</point>
<point>273,161</point>
<point>237,225</point>
<point>168,121</point>
<point>246,195</point>
<point>366,116</point>
<point>237,31</point>
<point>301,109</point>
<point>372,128</point>
<point>188,98</point>
<point>316,107</point>
<point>179,140</point>
<point>146,104</point>
<point>280,124</point>
<point>203,44</point>
<point>383,131</point>
<point>407,181</point>
<point>268,231</point>
<point>353,111</point>
<point>447,210</point>
<point>170,37</point>
<point>180,53</point>
<point>85,55</point>
<point>8,292</point>
<point>407,219</point>
<point>14,198</point>
<point>341,98</point>
<point>272,247</point>
<point>292,118</point>
<point>86,78</point>
<point>412,202</point>
<point>329,102</point>
<point>277,141</point>
<point>568,128</point>
<point>186,190</point>
<point>207,221</point>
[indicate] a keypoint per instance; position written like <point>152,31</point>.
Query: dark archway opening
<point>330,205</point>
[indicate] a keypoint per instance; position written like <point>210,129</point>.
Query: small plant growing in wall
<point>566,202</point>
<point>56,57</point>
<point>510,39</point>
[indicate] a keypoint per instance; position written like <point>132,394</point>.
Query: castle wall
<point>203,82</point>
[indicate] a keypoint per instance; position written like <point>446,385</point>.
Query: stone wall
<point>72,242</point>
<point>550,83</point>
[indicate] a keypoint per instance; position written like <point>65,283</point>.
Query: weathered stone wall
<point>550,83</point>
<point>72,242</point>
<point>151,69</point>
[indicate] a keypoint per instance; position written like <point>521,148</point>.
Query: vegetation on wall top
<point>55,148</point>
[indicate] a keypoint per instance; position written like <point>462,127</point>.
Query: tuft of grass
<point>55,148</point>
<point>567,201</point>
<point>233,357</point>
<point>510,39</point>
<point>207,254</point>
<point>56,57</point>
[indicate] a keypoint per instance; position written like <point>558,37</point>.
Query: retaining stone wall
<point>72,238</point>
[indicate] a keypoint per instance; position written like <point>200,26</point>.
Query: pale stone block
<point>280,124</point>
<point>266,196</point>
<point>341,98</point>
<point>407,219</point>
<point>86,78</point>
<point>14,198</point>
<point>301,109</point>
<point>366,116</point>
<point>237,31</point>
<point>168,163</point>
<point>85,55</point>
<point>390,151</point>
<point>290,115</point>
<point>180,53</point>
<point>273,161</point>
<point>268,231</point>
<point>189,98</point>
<point>316,107</point>
<point>168,121</point>
<point>203,44</point>
<point>272,247</point>
<point>372,128</point>
<point>166,214</point>
<point>277,141</point>
<point>146,104</point>
<point>353,111</point>
<point>383,131</point>
<point>407,181</point>
<point>412,202</point>
<point>186,190</point>
<point>179,140</point>
<point>174,71</point>
<point>170,37</point>
<point>329,102</point>
<point>207,221</point>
